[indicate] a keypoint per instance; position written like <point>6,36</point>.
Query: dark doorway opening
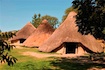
<point>70,47</point>
<point>22,40</point>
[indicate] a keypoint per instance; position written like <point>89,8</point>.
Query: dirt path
<point>44,55</point>
<point>41,55</point>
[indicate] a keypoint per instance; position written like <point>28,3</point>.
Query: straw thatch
<point>102,42</point>
<point>42,33</point>
<point>68,32</point>
<point>25,32</point>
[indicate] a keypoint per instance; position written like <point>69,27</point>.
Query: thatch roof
<point>102,42</point>
<point>25,32</point>
<point>68,32</point>
<point>42,33</point>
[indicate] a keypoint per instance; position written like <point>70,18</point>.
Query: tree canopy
<point>0,31</point>
<point>38,18</point>
<point>91,17</point>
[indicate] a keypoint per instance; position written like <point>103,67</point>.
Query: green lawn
<point>33,63</point>
<point>26,62</point>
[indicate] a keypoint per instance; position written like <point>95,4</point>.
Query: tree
<point>91,17</point>
<point>7,35</point>
<point>67,12</point>
<point>38,18</point>
<point>52,20</point>
<point>5,45</point>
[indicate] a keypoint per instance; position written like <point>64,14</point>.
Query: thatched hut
<point>67,39</point>
<point>23,34</point>
<point>42,33</point>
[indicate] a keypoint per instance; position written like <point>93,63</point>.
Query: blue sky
<point>14,14</point>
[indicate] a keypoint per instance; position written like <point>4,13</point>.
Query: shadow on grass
<point>76,63</point>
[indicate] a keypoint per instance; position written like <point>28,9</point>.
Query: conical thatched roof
<point>68,32</point>
<point>42,33</point>
<point>25,32</point>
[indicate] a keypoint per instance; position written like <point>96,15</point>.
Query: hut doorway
<point>70,47</point>
<point>22,40</point>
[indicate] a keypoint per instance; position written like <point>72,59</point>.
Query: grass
<point>26,62</point>
<point>73,64</point>
<point>28,65</point>
<point>33,63</point>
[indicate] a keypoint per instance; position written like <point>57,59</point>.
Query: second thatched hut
<point>42,33</point>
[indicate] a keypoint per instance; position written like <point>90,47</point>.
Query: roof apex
<point>45,21</point>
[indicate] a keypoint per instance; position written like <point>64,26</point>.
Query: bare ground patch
<point>40,55</point>
<point>79,60</point>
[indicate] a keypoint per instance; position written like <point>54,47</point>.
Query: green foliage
<point>37,19</point>
<point>0,31</point>
<point>91,17</point>
<point>103,31</point>
<point>67,11</point>
<point>6,35</point>
<point>5,45</point>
